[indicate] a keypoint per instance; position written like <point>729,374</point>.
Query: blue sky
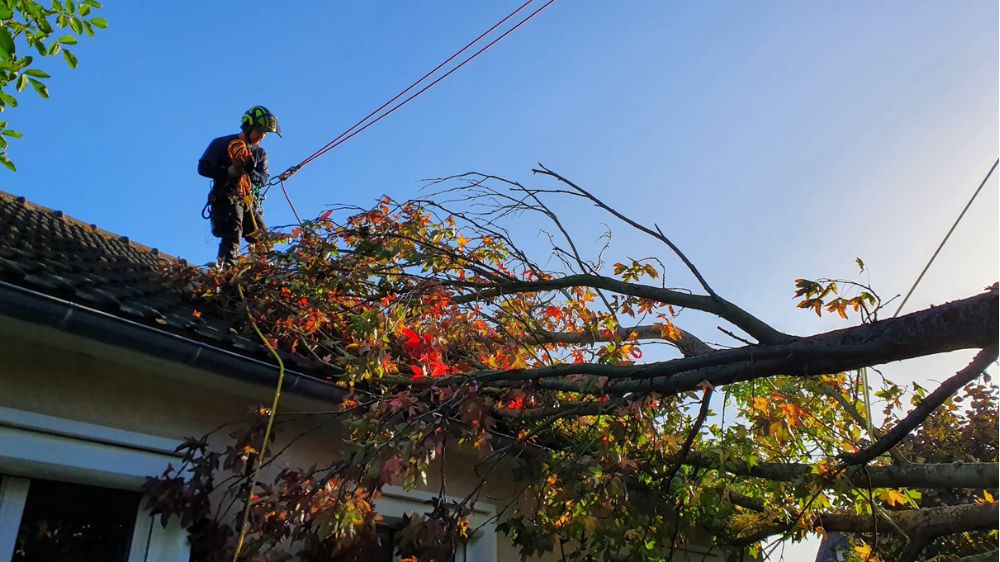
<point>770,140</point>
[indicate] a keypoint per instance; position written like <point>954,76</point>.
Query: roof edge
<point>42,309</point>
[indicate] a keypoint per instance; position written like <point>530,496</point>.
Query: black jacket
<point>214,162</point>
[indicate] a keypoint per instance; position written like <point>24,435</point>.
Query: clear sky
<point>770,140</point>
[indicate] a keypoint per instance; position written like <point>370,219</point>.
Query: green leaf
<point>6,162</point>
<point>40,88</point>
<point>84,9</point>
<point>45,27</point>
<point>55,48</point>
<point>75,25</point>
<point>12,133</point>
<point>36,73</point>
<point>22,82</point>
<point>8,99</point>
<point>3,143</point>
<point>5,12</point>
<point>68,40</point>
<point>6,44</point>
<point>99,23</point>
<point>860,263</point>
<point>93,3</point>
<point>70,58</point>
<point>71,6</point>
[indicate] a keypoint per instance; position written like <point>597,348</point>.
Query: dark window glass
<point>386,538</point>
<point>75,523</point>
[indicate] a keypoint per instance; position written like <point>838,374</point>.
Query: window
<point>64,522</point>
<point>69,492</point>
<point>397,502</point>
<point>387,552</point>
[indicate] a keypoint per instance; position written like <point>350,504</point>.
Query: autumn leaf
<point>987,498</point>
<point>669,331</point>
<point>893,497</point>
<point>554,312</point>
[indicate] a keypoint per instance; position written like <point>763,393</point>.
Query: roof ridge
<point>21,200</point>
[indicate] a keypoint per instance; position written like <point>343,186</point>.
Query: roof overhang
<point>44,310</point>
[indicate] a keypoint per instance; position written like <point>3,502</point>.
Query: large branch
<point>717,306</point>
<point>927,522</point>
<point>965,324</point>
<point>938,475</point>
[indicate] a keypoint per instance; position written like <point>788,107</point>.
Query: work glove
<point>234,171</point>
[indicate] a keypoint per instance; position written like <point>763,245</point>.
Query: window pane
<point>75,523</point>
<point>386,537</point>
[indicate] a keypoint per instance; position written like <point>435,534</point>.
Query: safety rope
<point>270,423</point>
<point>354,129</point>
<point>329,145</point>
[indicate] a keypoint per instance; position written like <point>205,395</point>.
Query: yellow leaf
<point>863,550</point>
<point>893,497</point>
<point>760,403</point>
<point>669,331</point>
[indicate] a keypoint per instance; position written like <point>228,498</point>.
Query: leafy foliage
<point>30,26</point>
<point>444,335</point>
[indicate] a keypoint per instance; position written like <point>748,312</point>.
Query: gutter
<point>67,316</point>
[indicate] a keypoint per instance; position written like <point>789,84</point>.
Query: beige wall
<point>53,373</point>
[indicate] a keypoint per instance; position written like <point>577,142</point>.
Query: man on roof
<point>237,165</point>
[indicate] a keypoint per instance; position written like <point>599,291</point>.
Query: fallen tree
<point>447,333</point>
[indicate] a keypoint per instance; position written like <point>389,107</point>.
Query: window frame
<point>482,546</point>
<point>40,446</point>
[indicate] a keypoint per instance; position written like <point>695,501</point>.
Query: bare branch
<point>658,234</point>
<point>717,306</point>
<point>925,408</point>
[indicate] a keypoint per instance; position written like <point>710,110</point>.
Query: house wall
<point>52,373</point>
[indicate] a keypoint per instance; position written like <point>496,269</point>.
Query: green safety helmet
<point>260,117</point>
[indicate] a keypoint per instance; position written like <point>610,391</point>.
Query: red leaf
<point>418,373</point>
<point>438,368</point>
<point>412,344</point>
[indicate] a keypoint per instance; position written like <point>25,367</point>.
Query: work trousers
<point>231,221</point>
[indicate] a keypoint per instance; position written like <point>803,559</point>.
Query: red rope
<point>289,199</point>
<point>328,145</point>
<point>346,135</point>
<point>337,143</point>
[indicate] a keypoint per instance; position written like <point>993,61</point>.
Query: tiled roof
<point>54,254</point>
